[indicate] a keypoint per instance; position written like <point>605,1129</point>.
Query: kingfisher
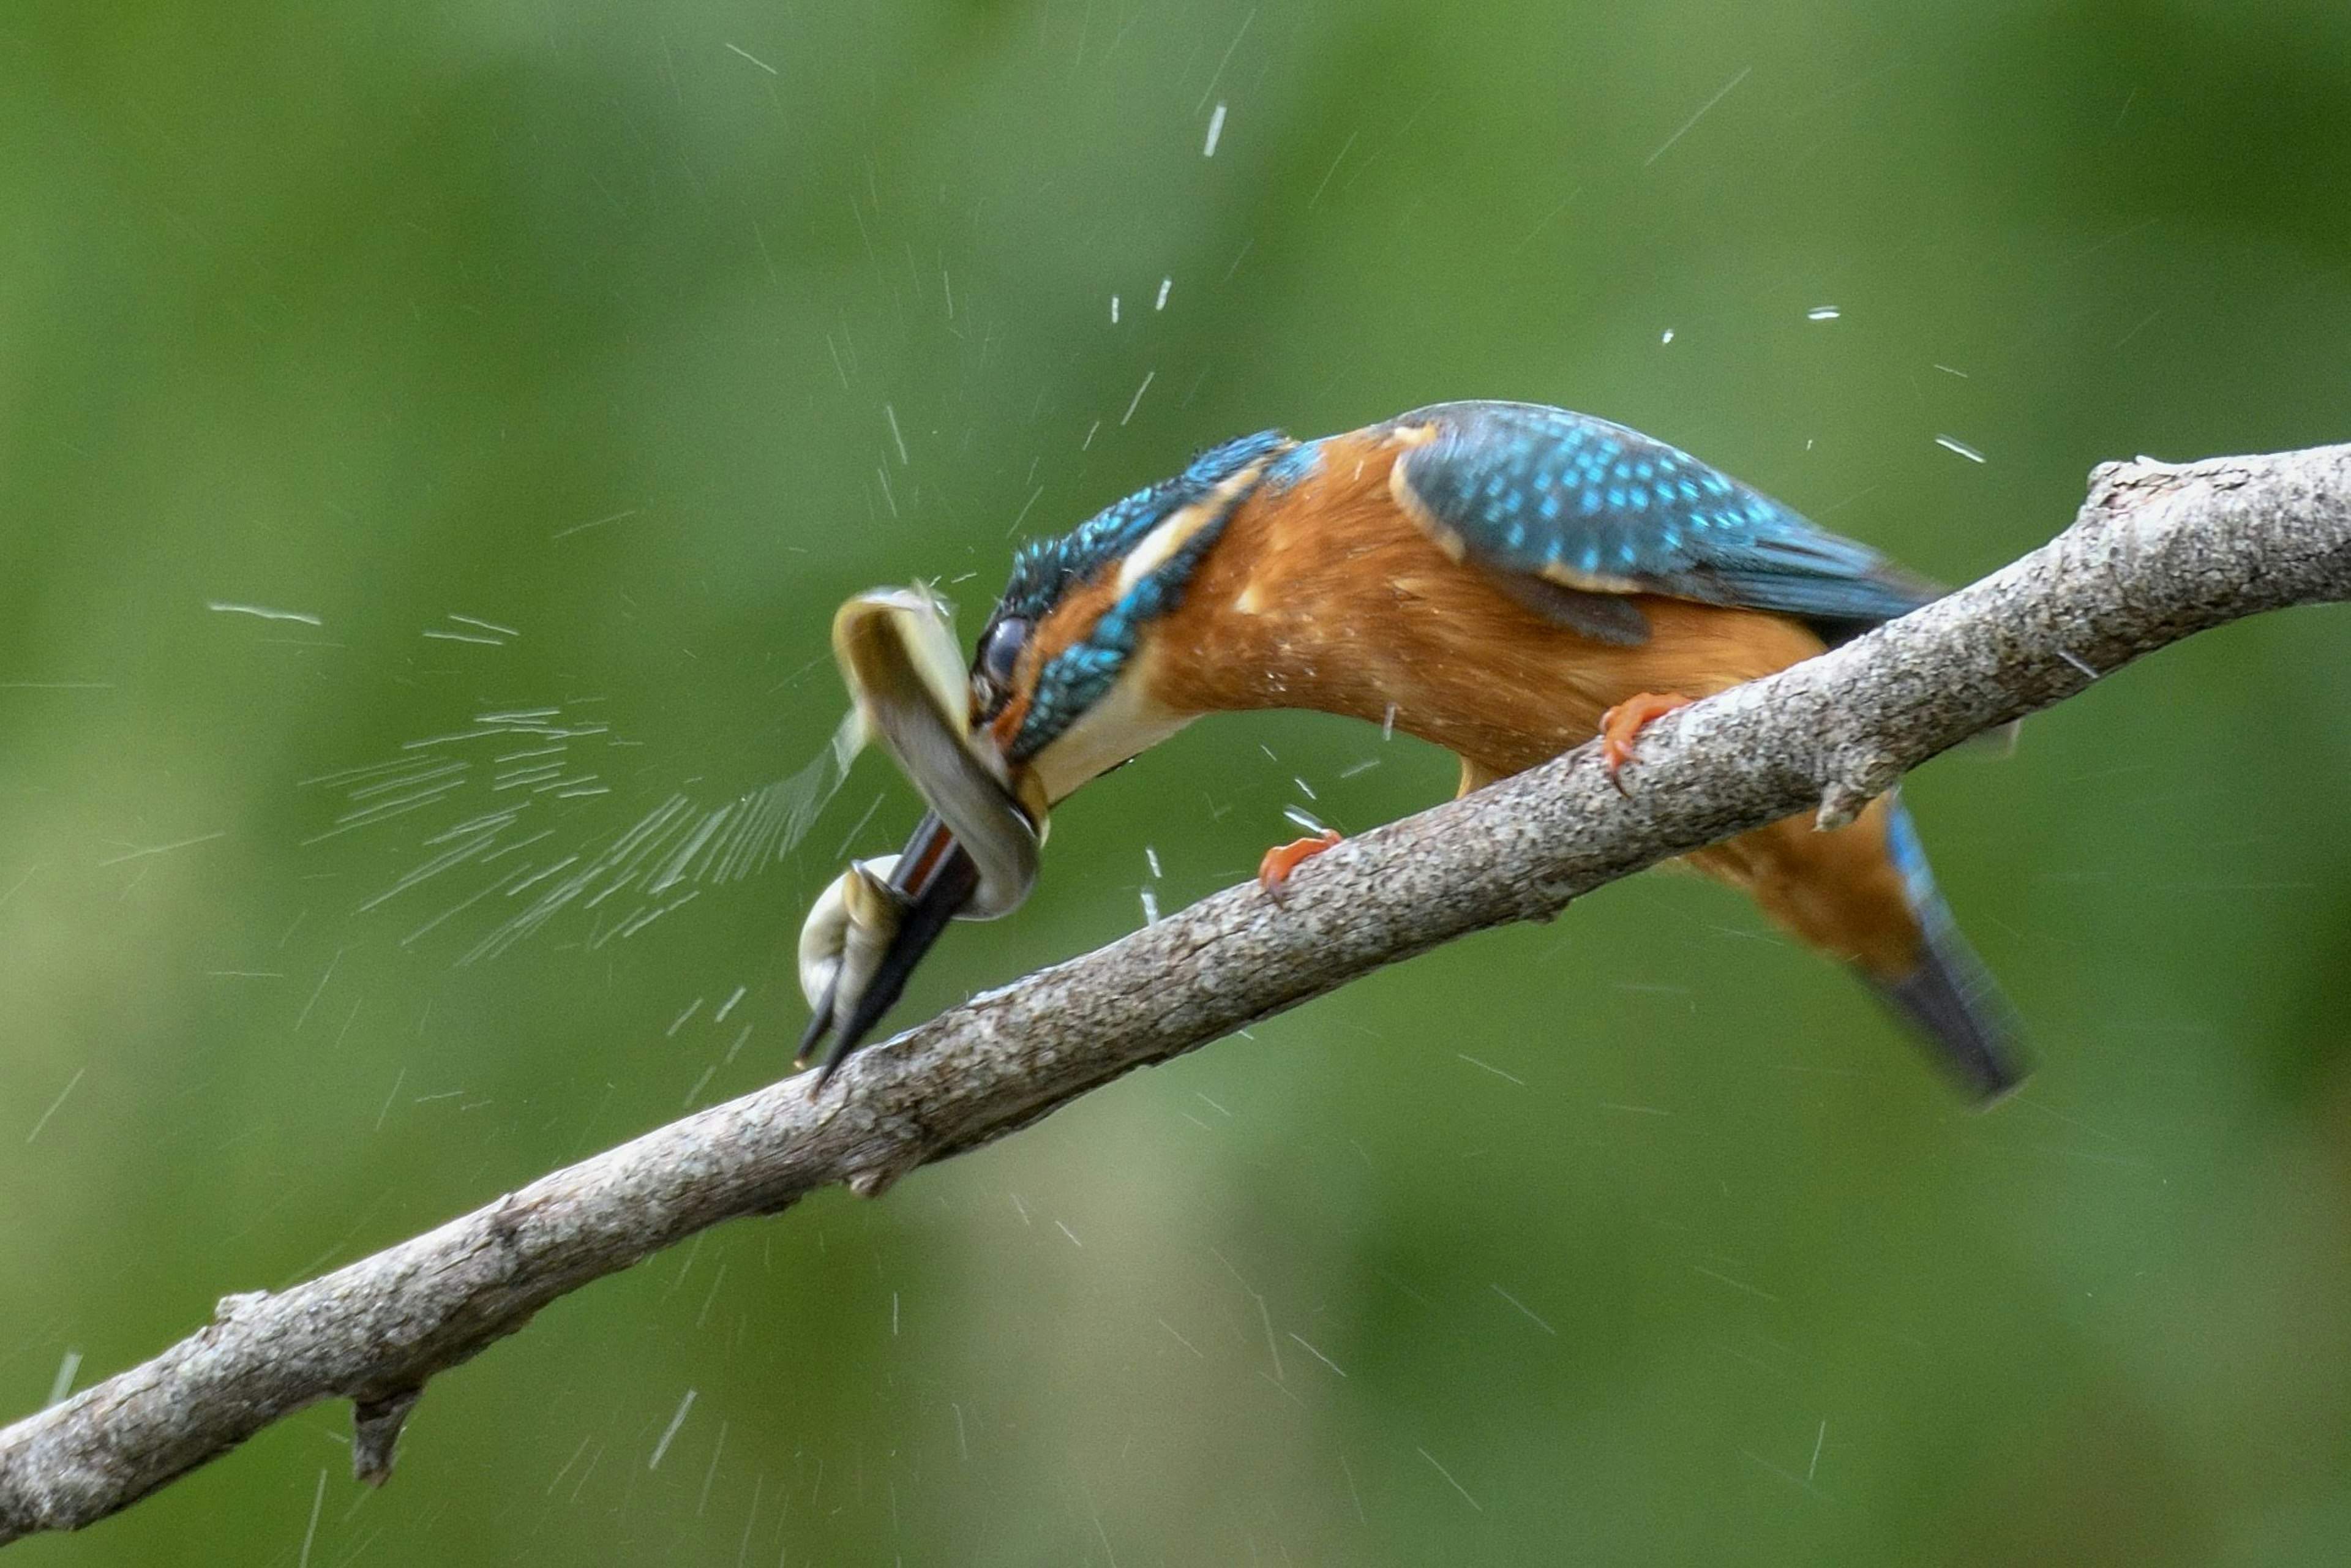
<point>1508,581</point>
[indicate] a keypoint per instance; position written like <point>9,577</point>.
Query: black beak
<point>934,880</point>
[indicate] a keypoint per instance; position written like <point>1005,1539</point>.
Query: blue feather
<point>1949,996</point>
<point>1044,570</point>
<point>1645,514</point>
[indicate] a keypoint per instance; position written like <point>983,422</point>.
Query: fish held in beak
<point>975,854</point>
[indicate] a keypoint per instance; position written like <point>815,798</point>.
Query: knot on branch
<point>881,1147</point>
<point>2116,486</point>
<point>876,1180</point>
<point>235,1305</point>
<point>1856,778</point>
<point>904,1147</point>
<point>506,1220</point>
<point>376,1421</point>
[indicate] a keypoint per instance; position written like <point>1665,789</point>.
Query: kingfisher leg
<point>1284,859</point>
<point>1621,726</point>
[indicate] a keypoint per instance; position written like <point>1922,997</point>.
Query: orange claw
<point>1284,859</point>
<point>1621,726</point>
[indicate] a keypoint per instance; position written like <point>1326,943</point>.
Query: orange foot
<point>1284,859</point>
<point>1621,725</point>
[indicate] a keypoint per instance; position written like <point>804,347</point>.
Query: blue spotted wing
<point>1574,512</point>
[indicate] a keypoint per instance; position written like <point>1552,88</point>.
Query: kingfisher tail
<point>1950,996</point>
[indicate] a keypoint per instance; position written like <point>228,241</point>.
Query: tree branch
<point>2158,553</point>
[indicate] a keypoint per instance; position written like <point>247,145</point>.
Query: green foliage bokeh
<point>648,332</point>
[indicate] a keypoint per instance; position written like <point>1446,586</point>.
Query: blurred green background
<point>586,357</point>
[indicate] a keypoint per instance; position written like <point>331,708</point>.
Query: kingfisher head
<point>1059,693</point>
<point>1059,681</point>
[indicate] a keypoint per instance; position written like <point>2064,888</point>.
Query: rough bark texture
<point>2158,552</point>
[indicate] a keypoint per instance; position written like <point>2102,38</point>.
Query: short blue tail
<point>1950,996</point>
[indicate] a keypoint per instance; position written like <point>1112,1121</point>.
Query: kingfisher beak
<point>975,854</point>
<point>933,882</point>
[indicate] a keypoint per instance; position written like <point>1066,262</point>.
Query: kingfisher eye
<point>999,651</point>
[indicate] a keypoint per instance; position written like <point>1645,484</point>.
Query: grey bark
<point>2158,552</point>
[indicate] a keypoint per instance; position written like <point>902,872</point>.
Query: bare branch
<point>2158,552</point>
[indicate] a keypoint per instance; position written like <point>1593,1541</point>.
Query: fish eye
<point>999,651</point>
